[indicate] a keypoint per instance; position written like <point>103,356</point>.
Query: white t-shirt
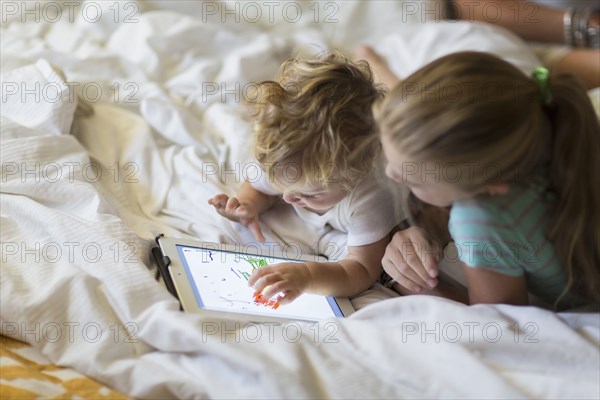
<point>366,214</point>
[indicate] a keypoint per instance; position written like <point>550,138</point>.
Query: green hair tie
<point>541,76</point>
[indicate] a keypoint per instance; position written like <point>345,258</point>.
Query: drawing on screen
<point>273,303</point>
<point>256,263</point>
<point>239,295</point>
<point>259,299</point>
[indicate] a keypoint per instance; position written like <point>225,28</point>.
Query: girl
<point>315,143</point>
<point>517,161</point>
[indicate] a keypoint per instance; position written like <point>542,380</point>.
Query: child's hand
<point>290,278</point>
<point>243,212</point>
<point>411,261</point>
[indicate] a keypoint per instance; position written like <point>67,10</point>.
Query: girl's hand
<point>290,278</point>
<point>411,260</point>
<point>243,212</point>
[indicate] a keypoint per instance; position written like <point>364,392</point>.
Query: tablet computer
<point>212,278</point>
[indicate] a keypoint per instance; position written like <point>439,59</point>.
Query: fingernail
<point>433,273</point>
<point>417,289</point>
<point>432,283</point>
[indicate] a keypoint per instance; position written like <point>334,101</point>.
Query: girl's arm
<point>489,287</point>
<point>485,286</point>
<point>529,20</point>
<point>347,277</point>
<point>442,289</point>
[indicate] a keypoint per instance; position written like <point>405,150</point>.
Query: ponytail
<point>575,177</point>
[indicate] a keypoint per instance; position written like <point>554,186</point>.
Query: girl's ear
<point>497,188</point>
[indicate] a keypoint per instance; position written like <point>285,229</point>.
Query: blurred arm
<point>532,21</point>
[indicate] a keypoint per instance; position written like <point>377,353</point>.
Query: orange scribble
<point>260,299</point>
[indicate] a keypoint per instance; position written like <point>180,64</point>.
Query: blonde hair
<point>317,115</point>
<point>513,127</point>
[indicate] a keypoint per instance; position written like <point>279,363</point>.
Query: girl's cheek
<point>421,195</point>
<point>394,177</point>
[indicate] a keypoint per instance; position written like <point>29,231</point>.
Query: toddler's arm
<point>347,277</point>
<point>245,207</point>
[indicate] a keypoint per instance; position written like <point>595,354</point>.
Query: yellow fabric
<point>23,378</point>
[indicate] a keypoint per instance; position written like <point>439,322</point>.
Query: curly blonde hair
<point>316,117</point>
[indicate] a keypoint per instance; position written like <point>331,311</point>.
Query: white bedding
<point>78,214</point>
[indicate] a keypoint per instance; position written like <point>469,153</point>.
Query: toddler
<point>315,144</point>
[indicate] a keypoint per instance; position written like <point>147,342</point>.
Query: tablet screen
<point>220,283</point>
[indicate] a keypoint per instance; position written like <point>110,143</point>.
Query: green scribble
<point>256,262</point>
<point>245,275</point>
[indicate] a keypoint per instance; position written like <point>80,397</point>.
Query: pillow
<point>414,45</point>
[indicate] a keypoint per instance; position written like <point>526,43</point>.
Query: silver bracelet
<point>568,24</point>
<point>577,31</point>
<point>592,34</point>
<point>593,37</point>
<point>581,29</point>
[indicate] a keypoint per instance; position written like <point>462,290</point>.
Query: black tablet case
<point>162,263</point>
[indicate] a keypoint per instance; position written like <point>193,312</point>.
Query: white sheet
<point>75,240</point>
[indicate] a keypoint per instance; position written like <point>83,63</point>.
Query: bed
<point>120,120</point>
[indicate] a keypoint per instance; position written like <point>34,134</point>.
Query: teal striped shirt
<point>507,234</point>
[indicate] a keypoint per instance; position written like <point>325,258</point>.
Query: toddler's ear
<point>497,188</point>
